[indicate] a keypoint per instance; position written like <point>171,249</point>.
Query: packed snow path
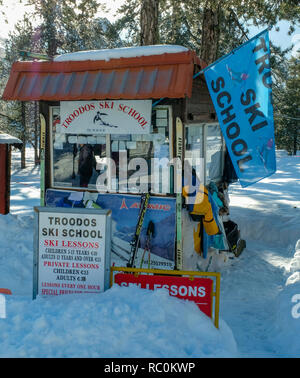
<point>268,214</point>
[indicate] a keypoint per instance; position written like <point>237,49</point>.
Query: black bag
<point>235,243</point>
<point>229,174</point>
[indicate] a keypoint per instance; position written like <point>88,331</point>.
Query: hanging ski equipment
<point>179,155</point>
<point>150,233</point>
<point>136,238</point>
<point>42,160</point>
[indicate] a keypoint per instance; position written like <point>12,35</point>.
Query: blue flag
<point>241,90</point>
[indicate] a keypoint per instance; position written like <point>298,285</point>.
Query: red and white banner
<point>198,290</point>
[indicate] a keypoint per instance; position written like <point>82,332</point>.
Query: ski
<point>42,159</point>
<point>179,155</point>
<point>150,233</point>
<point>136,238</point>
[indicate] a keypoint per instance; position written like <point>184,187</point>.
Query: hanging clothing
<point>86,164</point>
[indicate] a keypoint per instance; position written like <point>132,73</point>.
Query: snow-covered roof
<point>133,73</point>
<point>123,52</point>
<point>8,139</point>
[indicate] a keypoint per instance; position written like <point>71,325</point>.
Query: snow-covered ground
<point>256,289</point>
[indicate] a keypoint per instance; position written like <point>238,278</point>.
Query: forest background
<point>212,28</point>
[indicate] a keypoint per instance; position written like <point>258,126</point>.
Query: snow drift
<point>257,289</point>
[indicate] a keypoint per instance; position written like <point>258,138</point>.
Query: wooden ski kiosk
<point>78,91</point>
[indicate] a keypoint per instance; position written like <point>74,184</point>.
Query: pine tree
<point>287,125</point>
<point>48,11</point>
<point>15,112</point>
<point>149,34</point>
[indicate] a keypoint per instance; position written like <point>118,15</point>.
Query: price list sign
<point>72,251</point>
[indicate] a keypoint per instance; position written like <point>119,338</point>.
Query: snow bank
<point>123,52</point>
<point>16,254</point>
<point>8,139</point>
<point>122,322</point>
<point>268,211</point>
<point>287,323</point>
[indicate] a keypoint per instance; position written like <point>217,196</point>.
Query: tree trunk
<point>295,140</point>
<point>149,22</point>
<point>210,33</point>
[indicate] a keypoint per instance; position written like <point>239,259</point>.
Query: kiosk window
<point>214,152</point>
<point>71,152</point>
<point>204,142</point>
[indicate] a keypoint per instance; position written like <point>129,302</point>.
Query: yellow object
<point>201,206</point>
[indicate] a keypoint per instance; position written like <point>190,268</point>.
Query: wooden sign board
<point>72,251</point>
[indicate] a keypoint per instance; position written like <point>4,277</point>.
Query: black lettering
<point>262,45</point>
<point>239,151</point>
<point>262,60</point>
<point>260,125</point>
<point>236,130</point>
<point>246,99</point>
<point>264,79</point>
<point>44,231</point>
<point>230,117</point>
<point>221,95</point>
<point>220,83</point>
<point>242,161</point>
<point>254,112</point>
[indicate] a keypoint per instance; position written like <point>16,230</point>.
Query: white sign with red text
<point>105,117</point>
<point>71,252</point>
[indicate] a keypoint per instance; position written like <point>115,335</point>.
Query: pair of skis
<point>42,159</point>
<point>149,236</point>
<point>179,156</point>
<point>144,205</point>
<point>136,237</point>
